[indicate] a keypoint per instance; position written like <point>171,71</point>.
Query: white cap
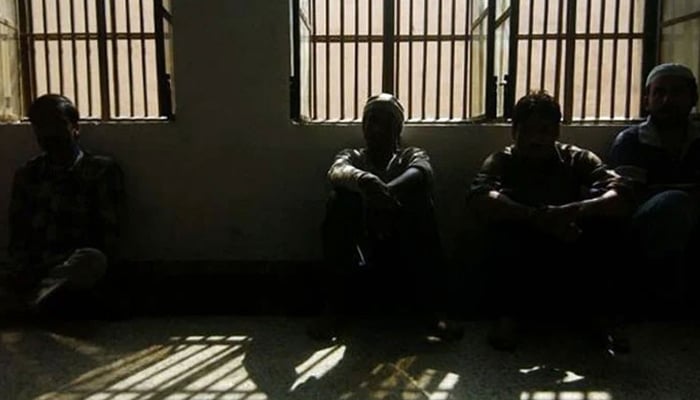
<point>387,102</point>
<point>669,69</point>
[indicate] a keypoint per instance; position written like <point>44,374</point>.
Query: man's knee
<point>675,204</point>
<point>672,214</point>
<point>83,269</point>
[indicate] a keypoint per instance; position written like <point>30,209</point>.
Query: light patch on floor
<point>398,380</point>
<point>193,368</point>
<point>565,395</point>
<point>318,365</point>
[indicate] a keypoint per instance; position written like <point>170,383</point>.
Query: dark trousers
<point>533,273</point>
<point>667,241</point>
<point>362,269</point>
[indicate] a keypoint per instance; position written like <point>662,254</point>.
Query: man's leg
<point>603,288</point>
<point>665,224</point>
<point>520,278</point>
<point>341,234</point>
<point>71,281</point>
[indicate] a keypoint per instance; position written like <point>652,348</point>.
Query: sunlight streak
<point>319,364</point>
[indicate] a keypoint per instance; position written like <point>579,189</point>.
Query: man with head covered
<point>380,215</point>
<point>662,155</point>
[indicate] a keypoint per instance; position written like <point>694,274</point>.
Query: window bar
<point>585,60</point>
<point>557,67</point>
<point>102,56</point>
<point>630,43</point>
<point>614,65</point>
<point>397,33</point>
<point>165,102</point>
<point>439,62</point>
<point>342,59</point>
<point>59,32</point>
<point>528,80</point>
<point>314,69</point>
<point>27,52</point>
<point>467,59</point>
<point>509,100</point>
<point>410,59</point>
<point>129,52</point>
<point>491,79</point>
<point>357,62</point>
<point>87,56</point>
<point>650,39</point>
<point>600,60</point>
<point>471,66</point>
<point>328,61</point>
<point>143,58</point>
<point>569,57</point>
<point>369,49</point>
<point>312,61</point>
<point>46,45</point>
<point>545,31</point>
<point>74,52</point>
<point>388,48</point>
<point>425,57</point>
<point>115,56</point>
<point>294,78</point>
<point>452,58</point>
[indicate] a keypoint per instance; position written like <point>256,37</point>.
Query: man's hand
<point>382,206</point>
<point>377,194</point>
<point>558,221</point>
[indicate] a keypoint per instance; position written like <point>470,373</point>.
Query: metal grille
<point>587,53</point>
<point>462,60</point>
<point>680,33</point>
<point>107,55</point>
<point>421,50</point>
<point>10,99</point>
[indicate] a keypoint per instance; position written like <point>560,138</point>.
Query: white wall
<point>233,178</point>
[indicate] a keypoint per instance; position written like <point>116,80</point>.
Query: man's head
<point>536,119</point>
<point>671,92</point>
<point>382,122</point>
<point>54,120</point>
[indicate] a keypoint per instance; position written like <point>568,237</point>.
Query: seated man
<point>662,155</point>
<point>550,210</point>
<point>65,213</point>
<point>380,216</point>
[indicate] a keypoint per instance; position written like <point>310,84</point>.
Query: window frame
<point>650,56</point>
<point>164,93</point>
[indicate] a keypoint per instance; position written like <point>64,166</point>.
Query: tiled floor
<point>199,358</point>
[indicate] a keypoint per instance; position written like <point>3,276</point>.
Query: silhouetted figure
<point>551,221</point>
<point>662,155</point>
<point>380,230</point>
<point>66,213</point>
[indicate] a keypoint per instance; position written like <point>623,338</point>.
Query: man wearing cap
<point>662,155</point>
<point>379,218</point>
<point>66,211</point>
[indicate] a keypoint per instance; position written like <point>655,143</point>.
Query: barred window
<point>112,57</point>
<point>680,33</point>
<point>469,60</point>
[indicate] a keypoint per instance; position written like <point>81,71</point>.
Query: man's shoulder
<point>568,148</point>
<point>99,161</point>
<point>627,136</point>
<point>350,152</point>
<point>32,167</point>
<point>96,166</point>
<point>573,154</point>
<point>412,150</point>
<point>498,159</point>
